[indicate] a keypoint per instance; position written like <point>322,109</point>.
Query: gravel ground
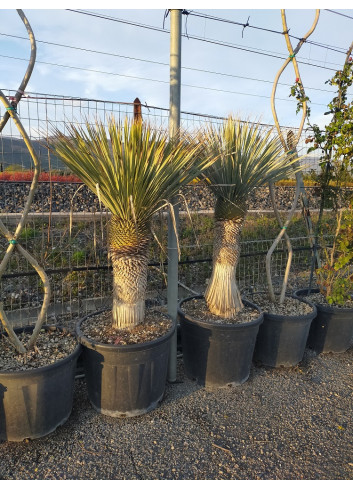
<point>293,423</point>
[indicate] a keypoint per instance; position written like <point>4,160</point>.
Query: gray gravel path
<point>294,423</point>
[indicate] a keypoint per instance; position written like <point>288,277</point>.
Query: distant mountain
<point>13,151</point>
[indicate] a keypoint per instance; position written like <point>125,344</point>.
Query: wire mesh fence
<point>67,227</point>
<point>40,113</point>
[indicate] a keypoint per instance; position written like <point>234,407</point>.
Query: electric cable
<point>338,13</point>
<point>220,19</point>
<point>212,41</point>
<point>200,70</point>
<point>151,79</point>
<point>190,36</point>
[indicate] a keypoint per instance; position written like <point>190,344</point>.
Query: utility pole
<point>174,125</point>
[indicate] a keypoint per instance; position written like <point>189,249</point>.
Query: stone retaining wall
<point>63,196</point>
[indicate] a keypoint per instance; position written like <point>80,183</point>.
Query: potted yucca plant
<point>219,330</point>
<point>135,170</point>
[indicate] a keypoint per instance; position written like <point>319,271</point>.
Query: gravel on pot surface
<point>282,424</point>
<point>319,298</point>
<point>50,347</point>
<point>197,308</point>
<point>290,306</point>
<point>99,328</point>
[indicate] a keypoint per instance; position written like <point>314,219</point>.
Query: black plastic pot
<point>332,329</point>
<point>33,403</point>
<point>125,380</point>
<point>282,339</point>
<point>215,354</point>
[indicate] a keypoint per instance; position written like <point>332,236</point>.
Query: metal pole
<point>174,125</point>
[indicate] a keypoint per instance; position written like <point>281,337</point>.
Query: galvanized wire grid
<point>67,229</point>
<point>41,112</point>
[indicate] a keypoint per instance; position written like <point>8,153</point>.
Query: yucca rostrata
<point>134,169</point>
<point>246,156</point>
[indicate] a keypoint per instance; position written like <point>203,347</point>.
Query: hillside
<point>13,151</point>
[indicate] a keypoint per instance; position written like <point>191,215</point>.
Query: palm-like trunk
<point>222,294</point>
<point>129,290</point>
<point>128,247</point>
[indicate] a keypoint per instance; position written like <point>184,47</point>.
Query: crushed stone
<point>99,328</point>
<point>197,308</point>
<point>50,347</point>
<point>282,424</point>
<point>319,298</point>
<point>290,307</point>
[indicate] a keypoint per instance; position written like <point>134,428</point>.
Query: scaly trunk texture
<point>222,294</point>
<point>128,248</point>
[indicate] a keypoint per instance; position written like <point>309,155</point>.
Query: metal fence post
<point>174,125</point>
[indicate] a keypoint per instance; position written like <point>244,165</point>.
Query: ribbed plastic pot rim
<point>44,368</point>
<point>211,324</point>
<point>90,343</point>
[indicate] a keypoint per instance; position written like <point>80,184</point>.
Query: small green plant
<point>335,276</point>
<point>74,283</point>
<point>14,167</point>
<point>27,233</point>
<point>79,257</point>
<point>56,258</point>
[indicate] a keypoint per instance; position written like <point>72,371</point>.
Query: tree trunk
<point>222,294</point>
<point>128,248</point>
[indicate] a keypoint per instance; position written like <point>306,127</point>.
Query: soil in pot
<point>217,352</point>
<point>125,371</point>
<point>283,334</point>
<point>332,329</point>
<point>36,389</point>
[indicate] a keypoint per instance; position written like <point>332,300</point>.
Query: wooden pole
<point>137,110</point>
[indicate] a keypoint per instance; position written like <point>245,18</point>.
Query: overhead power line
<point>252,79</point>
<point>252,50</point>
<point>148,79</point>
<point>210,17</point>
<point>115,19</point>
<point>273,31</point>
<point>339,13</point>
<point>160,63</point>
<point>129,57</point>
<point>84,49</point>
<point>198,38</point>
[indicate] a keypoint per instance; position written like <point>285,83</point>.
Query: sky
<point>133,61</point>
